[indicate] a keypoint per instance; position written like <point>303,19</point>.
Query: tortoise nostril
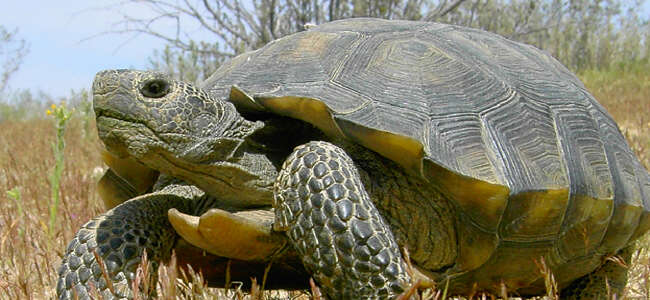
<point>105,81</point>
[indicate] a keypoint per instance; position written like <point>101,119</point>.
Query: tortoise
<point>482,157</point>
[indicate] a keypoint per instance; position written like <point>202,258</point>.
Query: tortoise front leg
<point>334,226</point>
<point>119,237</point>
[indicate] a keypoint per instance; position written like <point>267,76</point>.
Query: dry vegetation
<point>29,255</point>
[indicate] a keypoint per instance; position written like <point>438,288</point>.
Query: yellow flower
<point>53,106</point>
<point>48,112</point>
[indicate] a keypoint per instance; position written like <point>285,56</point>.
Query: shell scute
<point>503,129</point>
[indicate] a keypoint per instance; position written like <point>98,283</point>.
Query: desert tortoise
<point>480,155</point>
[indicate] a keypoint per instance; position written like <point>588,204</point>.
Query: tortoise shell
<point>534,164</point>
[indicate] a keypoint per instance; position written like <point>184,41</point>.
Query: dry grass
<point>29,257</point>
<point>626,95</point>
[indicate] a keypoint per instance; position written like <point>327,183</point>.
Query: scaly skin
<point>594,285</point>
<point>333,224</point>
<point>129,127</point>
<point>119,237</point>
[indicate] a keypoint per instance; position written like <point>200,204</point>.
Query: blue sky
<point>60,58</point>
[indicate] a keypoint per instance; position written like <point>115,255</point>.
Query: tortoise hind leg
<point>335,228</point>
<point>594,285</point>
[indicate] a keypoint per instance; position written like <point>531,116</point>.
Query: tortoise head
<point>145,113</point>
<point>169,126</point>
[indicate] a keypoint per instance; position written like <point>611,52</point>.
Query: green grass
<point>30,254</point>
<point>61,116</point>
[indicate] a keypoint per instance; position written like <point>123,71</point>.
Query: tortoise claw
<point>245,235</point>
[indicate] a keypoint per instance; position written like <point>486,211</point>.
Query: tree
<point>235,26</point>
<point>582,34</point>
<point>12,52</point>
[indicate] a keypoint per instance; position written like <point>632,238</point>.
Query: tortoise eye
<point>155,88</point>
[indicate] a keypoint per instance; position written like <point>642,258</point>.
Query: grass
<point>61,115</point>
<point>30,255</point>
<point>27,265</point>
